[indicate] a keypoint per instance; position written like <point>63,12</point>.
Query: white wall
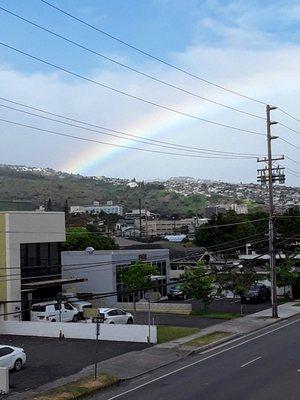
<point>27,227</point>
<point>71,330</point>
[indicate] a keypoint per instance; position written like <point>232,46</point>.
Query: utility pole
<point>140,211</point>
<point>269,175</point>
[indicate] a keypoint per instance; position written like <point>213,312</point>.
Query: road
<point>260,366</point>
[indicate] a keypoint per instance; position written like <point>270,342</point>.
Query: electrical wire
<point>127,66</point>
<point>174,147</point>
<point>128,94</point>
<point>152,56</point>
<point>290,143</point>
<point>291,159</point>
<point>119,145</point>
<point>288,114</point>
<point>114,130</point>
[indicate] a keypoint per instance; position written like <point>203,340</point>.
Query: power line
<point>118,145</point>
<point>290,129</point>
<point>290,143</point>
<point>291,159</point>
<point>152,56</point>
<point>175,146</point>
<point>288,114</point>
<point>128,67</point>
<point>179,145</point>
<point>128,94</point>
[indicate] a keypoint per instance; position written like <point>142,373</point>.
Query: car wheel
<point>130,321</point>
<point>75,318</point>
<point>111,322</point>
<point>53,320</point>
<point>18,365</point>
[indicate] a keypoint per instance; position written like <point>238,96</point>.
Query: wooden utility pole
<point>269,175</point>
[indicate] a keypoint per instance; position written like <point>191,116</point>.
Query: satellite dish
<point>90,250</point>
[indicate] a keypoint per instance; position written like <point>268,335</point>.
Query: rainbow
<point>149,126</point>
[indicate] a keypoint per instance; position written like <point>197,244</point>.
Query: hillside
<point>38,185</point>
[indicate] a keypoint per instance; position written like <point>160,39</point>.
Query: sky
<point>249,47</point>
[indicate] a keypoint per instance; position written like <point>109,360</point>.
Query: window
<point>5,351</point>
<point>112,313</point>
<point>68,306</point>
<point>121,312</point>
<point>39,308</point>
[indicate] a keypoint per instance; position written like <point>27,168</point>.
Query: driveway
<point>49,358</point>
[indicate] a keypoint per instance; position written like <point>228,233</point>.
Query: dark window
<point>39,308</point>
<point>112,313</point>
<point>68,306</point>
<point>5,351</point>
<point>121,312</point>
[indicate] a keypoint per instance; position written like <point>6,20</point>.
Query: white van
<point>80,305</point>
<point>52,312</point>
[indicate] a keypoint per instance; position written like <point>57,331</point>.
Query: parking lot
<point>49,359</point>
<point>227,305</point>
<point>176,320</point>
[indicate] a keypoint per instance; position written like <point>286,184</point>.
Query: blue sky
<point>252,47</point>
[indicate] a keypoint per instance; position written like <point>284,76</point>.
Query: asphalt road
<point>49,359</point>
<point>260,366</point>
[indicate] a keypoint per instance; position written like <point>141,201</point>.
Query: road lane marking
<point>202,360</point>
<point>250,362</point>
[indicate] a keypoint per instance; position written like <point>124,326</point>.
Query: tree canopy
<point>80,239</point>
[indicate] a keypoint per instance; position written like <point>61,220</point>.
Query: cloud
<point>267,73</point>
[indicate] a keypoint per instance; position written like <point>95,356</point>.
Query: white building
<point>102,269</point>
<point>109,208</point>
<point>29,258</point>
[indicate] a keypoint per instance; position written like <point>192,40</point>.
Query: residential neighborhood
<point>149,200</point>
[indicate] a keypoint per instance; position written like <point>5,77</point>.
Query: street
<point>260,366</point>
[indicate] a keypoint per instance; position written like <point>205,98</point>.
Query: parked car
<point>80,305</point>
<point>176,293</point>
<point>54,312</point>
<point>12,357</point>
<point>114,316</point>
<point>257,293</point>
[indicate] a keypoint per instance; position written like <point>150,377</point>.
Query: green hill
<point>38,185</point>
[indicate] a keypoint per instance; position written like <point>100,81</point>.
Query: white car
<point>114,316</point>
<point>53,312</point>
<point>12,357</point>
<point>80,305</point>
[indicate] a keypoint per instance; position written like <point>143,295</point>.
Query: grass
<point>296,305</point>
<point>79,389</point>
<point>207,339</point>
<point>216,314</point>
<point>167,333</point>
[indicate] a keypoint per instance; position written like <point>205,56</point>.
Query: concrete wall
<point>168,308</point>
<point>25,227</point>
<point>120,333</point>
<point>99,268</point>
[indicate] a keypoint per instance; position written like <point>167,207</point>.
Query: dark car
<point>176,293</point>
<point>257,293</point>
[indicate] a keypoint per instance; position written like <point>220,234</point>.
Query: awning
<point>53,282</point>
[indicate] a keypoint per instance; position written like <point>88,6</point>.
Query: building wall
<point>100,269</point>
<point>24,227</point>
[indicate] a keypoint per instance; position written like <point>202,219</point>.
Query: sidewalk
<point>136,363</point>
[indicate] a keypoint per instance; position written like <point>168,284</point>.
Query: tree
<point>66,207</point>
<point>80,239</point>
<point>198,284</point>
<point>137,277</point>
<point>239,281</point>
<point>286,275</point>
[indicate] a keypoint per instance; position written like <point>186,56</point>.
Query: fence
<point>71,330</point>
<point>169,308</point>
